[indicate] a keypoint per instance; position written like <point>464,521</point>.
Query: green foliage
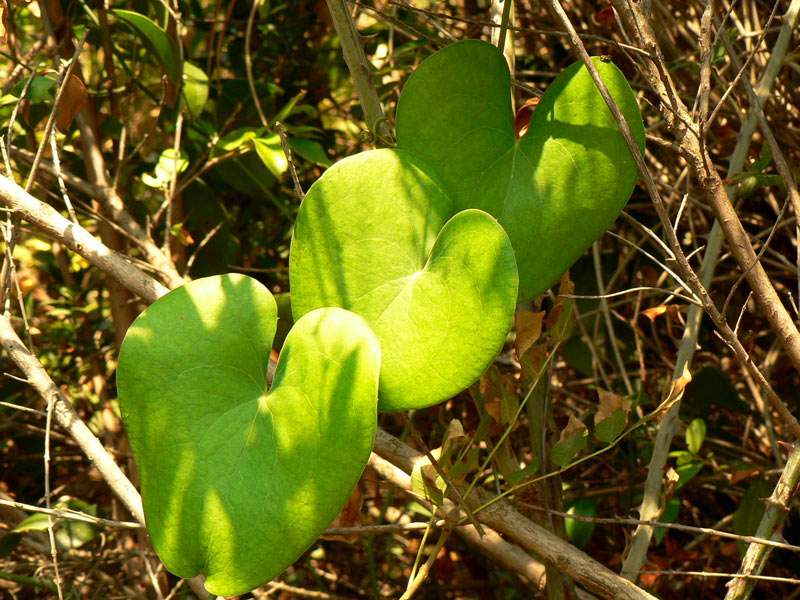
<point>156,40</point>
<point>69,534</point>
<point>373,236</point>
<point>556,189</point>
<point>751,509</point>
<point>580,532</point>
<point>238,479</point>
<point>672,509</point>
<point>695,435</point>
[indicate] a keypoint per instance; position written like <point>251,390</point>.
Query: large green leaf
<point>156,39</point>
<point>556,189</point>
<point>373,236</point>
<point>238,480</point>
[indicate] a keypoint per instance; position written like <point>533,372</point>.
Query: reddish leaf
<point>524,114</point>
<point>72,102</point>
<point>604,17</point>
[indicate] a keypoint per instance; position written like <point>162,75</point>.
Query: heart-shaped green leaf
<point>238,480</point>
<point>556,189</point>
<point>373,236</point>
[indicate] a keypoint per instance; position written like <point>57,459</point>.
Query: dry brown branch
<point>78,240</point>
<point>502,517</point>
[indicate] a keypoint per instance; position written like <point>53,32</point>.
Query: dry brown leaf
<point>559,322</point>
<point>529,328</point>
<point>575,425</point>
<point>492,392</point>
<point>672,476</point>
<point>72,102</point>
<point>656,311</point>
<point>609,403</point>
<point>350,516</point>
<point>537,355</point>
<point>492,400</point>
<point>454,434</point>
<point>742,474</point>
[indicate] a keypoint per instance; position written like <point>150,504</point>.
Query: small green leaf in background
<point>233,140</point>
<point>69,533</point>
<point>156,40</point>
<point>421,486</point>
<point>271,153</point>
<point>580,532</point>
<point>195,89</point>
<point>168,164</point>
<point>751,510</point>
<point>695,435</point>
<point>573,439</point>
<point>310,150</point>
<point>239,479</point>
<point>669,514</point>
<point>686,467</point>
<point>41,88</point>
<point>287,109</point>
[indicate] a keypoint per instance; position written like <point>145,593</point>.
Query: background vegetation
<point>187,176</point>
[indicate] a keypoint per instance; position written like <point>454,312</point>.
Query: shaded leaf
<point>580,532</point>
<point>671,511</point>
<point>310,150</point>
<point>751,510</point>
<point>573,439</point>
<point>611,417</point>
<point>155,39</point>
<point>556,189</point>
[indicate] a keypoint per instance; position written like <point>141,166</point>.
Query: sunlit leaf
<point>238,479</point>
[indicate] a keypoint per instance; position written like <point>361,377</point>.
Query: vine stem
<point>353,51</point>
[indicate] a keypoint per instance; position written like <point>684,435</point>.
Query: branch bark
<point>77,239</point>
<point>502,517</point>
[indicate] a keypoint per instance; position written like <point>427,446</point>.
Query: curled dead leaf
<point>676,389</point>
<point>524,114</point>
<point>604,16</point>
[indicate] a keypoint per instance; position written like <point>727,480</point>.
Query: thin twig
<point>298,189</point>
